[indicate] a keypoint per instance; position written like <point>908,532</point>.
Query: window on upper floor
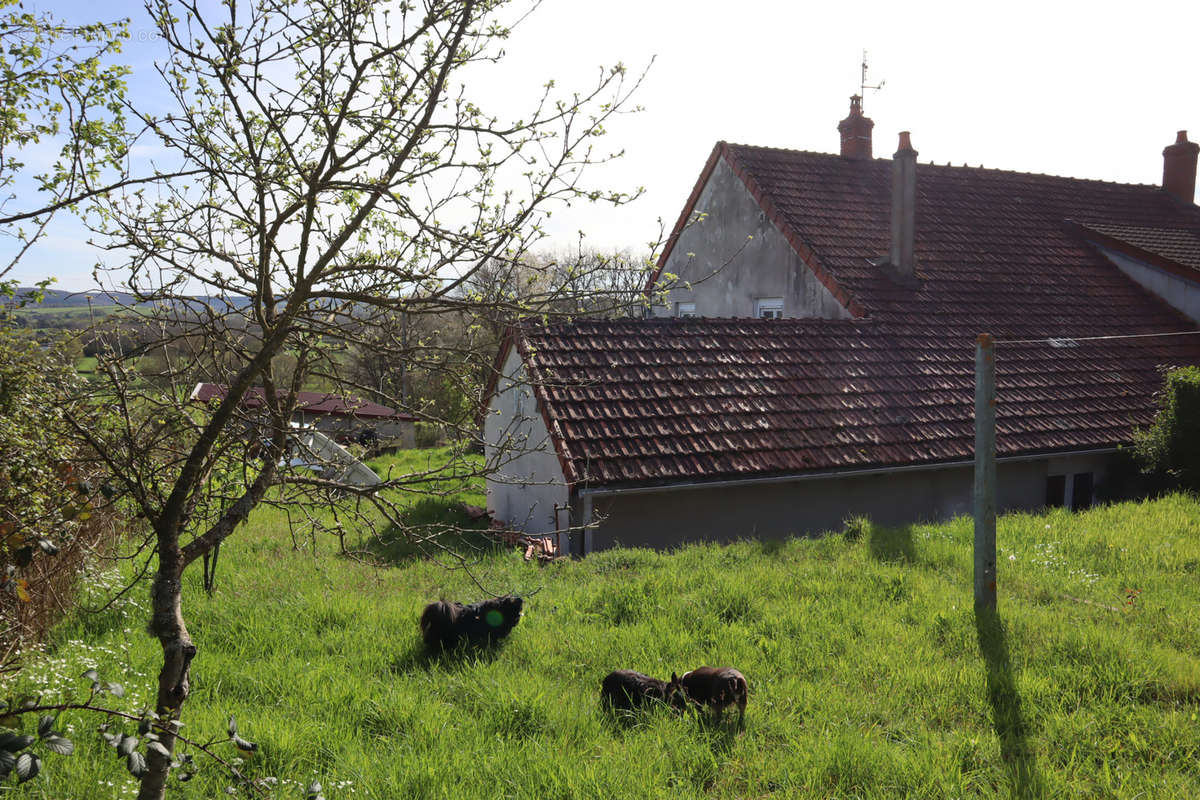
<point>769,308</point>
<point>685,309</point>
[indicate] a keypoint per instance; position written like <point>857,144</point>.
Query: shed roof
<point>319,403</point>
<point>660,401</point>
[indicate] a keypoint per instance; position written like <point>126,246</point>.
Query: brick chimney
<point>856,132</point>
<point>904,209</point>
<point>1179,167</point>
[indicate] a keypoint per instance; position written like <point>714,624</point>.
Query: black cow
<point>444,625</point>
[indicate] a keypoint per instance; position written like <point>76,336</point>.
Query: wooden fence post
<point>985,471</point>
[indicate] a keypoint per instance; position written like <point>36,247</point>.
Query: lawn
<point>870,673</point>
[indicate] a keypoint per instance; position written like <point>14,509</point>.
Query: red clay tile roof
<point>319,403</point>
<point>993,248</point>
<point>656,401</point>
<point>667,400</point>
<point>1182,247</point>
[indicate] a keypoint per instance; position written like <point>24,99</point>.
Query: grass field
<point>870,673</point>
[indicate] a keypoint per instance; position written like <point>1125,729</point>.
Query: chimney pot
<point>1179,167</point>
<point>856,132</point>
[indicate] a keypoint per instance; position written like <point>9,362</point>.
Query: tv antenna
<point>863,85</point>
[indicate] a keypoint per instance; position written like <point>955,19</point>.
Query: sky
<point>1082,89</point>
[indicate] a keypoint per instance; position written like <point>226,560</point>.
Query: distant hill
<point>62,298</point>
<point>59,298</point>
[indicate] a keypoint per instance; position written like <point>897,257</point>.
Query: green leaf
<point>115,689</point>
<point>28,766</point>
<point>7,762</point>
<point>127,745</point>
<point>45,726</point>
<point>157,747</point>
<point>15,742</point>
<point>135,762</point>
<point>91,675</point>
<point>61,745</point>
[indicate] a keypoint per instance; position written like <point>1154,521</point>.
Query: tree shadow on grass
<point>1011,727</point>
<point>892,544</point>
<point>433,527</point>
<point>619,721</point>
<point>420,658</point>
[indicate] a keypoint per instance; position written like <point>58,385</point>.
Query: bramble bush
<point>1172,444</point>
<point>48,523</point>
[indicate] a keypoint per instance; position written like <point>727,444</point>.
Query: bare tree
<point>341,176</point>
<point>446,357</point>
<point>594,283</point>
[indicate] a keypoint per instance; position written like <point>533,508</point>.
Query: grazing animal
<point>717,688</point>
<point>627,690</point>
<point>445,624</point>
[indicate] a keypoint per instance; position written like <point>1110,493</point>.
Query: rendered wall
<point>810,507</point>
<point>525,480</point>
<point>735,255</point>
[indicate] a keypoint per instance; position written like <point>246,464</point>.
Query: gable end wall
<point>735,255</point>
<point>525,479</point>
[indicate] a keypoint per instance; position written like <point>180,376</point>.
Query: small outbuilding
<point>341,417</point>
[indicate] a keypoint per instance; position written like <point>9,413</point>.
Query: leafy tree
<point>56,85</point>
<point>1171,445</point>
<point>341,174</point>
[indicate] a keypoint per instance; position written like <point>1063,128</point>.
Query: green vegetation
<point>870,675</point>
<point>44,506</point>
<point>1172,444</point>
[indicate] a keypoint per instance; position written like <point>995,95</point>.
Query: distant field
<point>870,674</point>
<point>66,311</point>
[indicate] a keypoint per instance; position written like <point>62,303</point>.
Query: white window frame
<point>768,308</point>
<point>685,310</point>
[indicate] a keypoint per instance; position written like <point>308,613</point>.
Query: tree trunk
<point>166,624</point>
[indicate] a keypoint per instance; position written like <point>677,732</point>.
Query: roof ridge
<point>935,165</point>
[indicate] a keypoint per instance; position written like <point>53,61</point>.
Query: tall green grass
<point>870,673</point>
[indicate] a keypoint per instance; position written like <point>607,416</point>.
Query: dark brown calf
<point>717,688</point>
<point>626,690</point>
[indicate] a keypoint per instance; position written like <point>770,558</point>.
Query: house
<point>338,416</point>
<point>815,358</point>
